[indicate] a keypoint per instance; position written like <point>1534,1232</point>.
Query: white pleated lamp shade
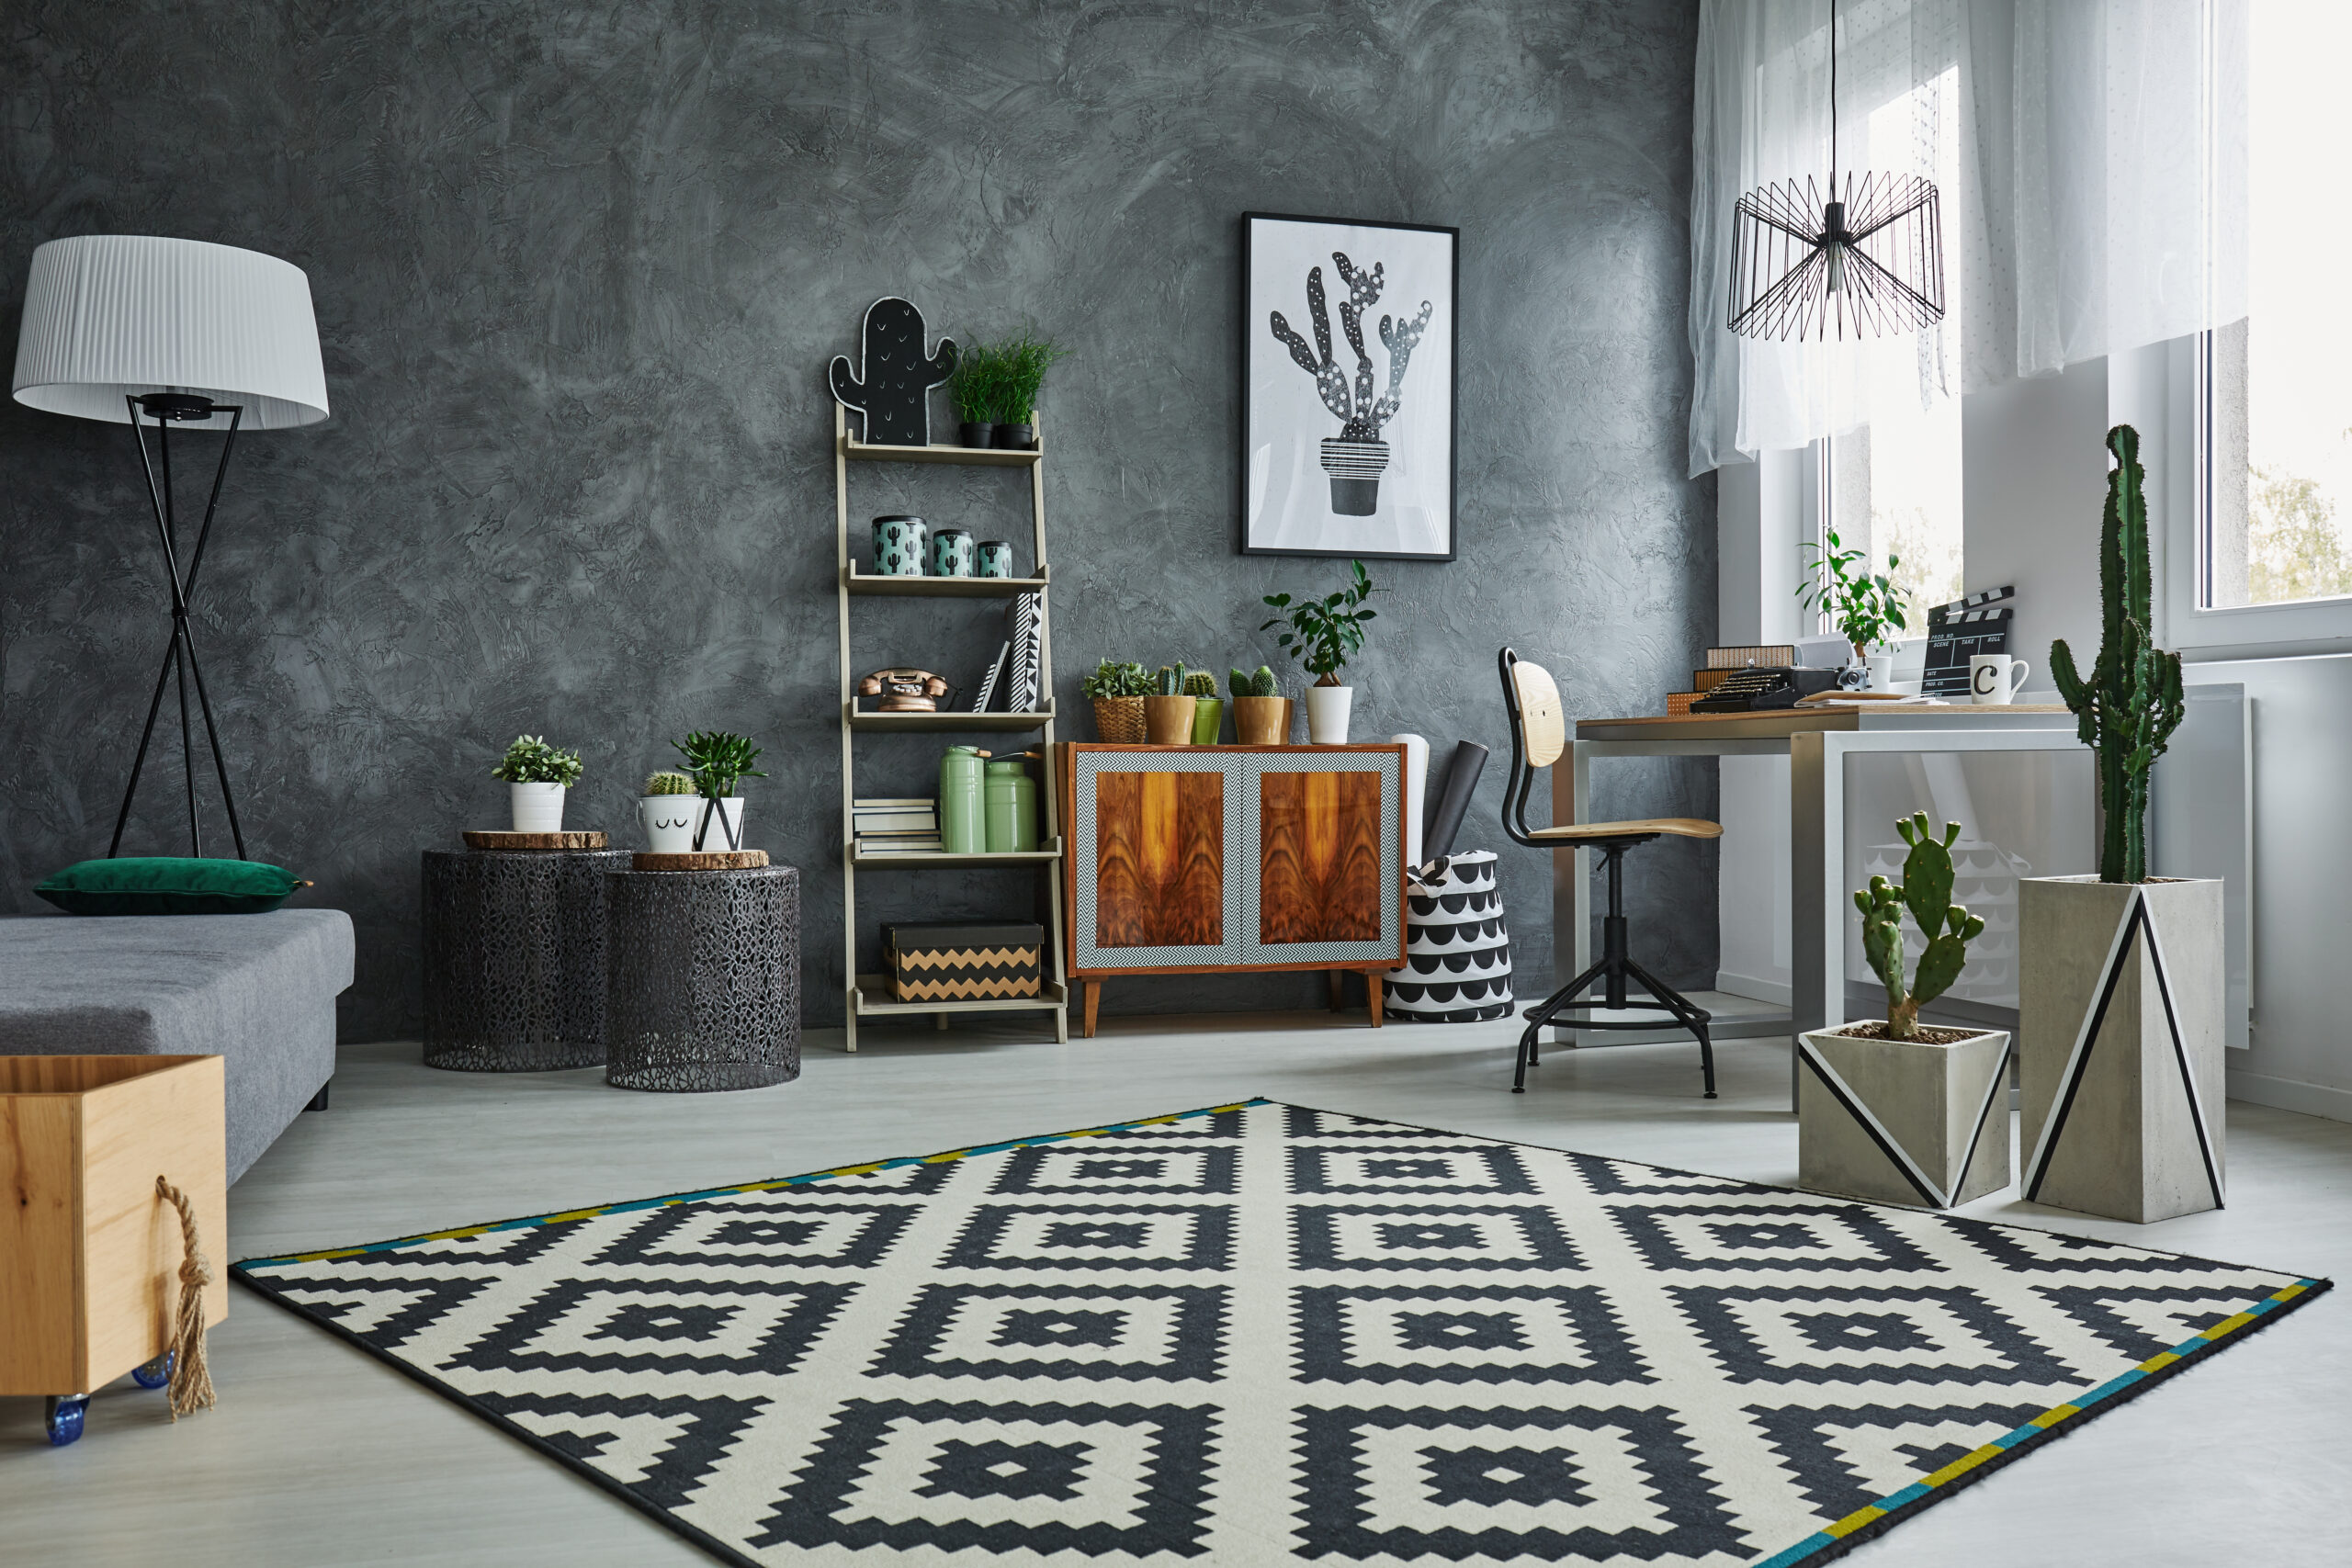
<point>110,316</point>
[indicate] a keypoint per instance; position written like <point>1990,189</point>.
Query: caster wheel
<point>65,1418</point>
<point>155,1373</point>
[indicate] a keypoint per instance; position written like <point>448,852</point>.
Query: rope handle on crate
<point>191,1387</point>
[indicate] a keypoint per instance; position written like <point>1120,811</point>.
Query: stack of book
<point>1724,663</point>
<point>896,826</point>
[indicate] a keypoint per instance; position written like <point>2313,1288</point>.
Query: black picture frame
<point>1278,435</point>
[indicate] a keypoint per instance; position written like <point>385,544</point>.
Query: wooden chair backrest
<point>1542,726</point>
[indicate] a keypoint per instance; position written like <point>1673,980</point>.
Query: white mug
<point>1881,668</point>
<point>1995,677</point>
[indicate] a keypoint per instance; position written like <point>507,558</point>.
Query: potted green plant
<point>1208,712</point>
<point>1117,692</point>
<point>973,386</point>
<point>537,775</point>
<point>1020,366</point>
<point>1891,1108</point>
<point>2120,981</point>
<point>1168,710</point>
<point>1323,635</point>
<point>1260,713</point>
<point>666,811</point>
<point>1865,607</point>
<point>717,762</point>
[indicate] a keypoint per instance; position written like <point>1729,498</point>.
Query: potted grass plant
<point>973,385</point>
<point>537,775</point>
<point>1020,366</point>
<point>1865,607</point>
<point>1323,635</point>
<point>717,762</point>
<point>1117,692</point>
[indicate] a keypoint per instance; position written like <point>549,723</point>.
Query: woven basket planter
<point>1118,721</point>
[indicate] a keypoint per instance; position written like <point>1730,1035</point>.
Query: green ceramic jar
<point>962,824</point>
<point>1011,805</point>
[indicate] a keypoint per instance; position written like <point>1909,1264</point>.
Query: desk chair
<point>1538,736</point>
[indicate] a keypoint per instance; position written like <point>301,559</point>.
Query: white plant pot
<point>1902,1121</point>
<point>539,808</point>
<point>668,821</point>
<point>1327,713</point>
<point>712,831</point>
<point>2140,1138</point>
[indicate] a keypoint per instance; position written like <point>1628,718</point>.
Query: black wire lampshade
<point>1868,260</point>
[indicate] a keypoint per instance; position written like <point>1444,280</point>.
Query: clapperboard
<point>1978,624</point>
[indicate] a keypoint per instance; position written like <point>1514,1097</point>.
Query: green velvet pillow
<point>166,885</point>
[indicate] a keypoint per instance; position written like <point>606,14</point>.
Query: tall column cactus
<point>1926,892</point>
<point>2129,707</point>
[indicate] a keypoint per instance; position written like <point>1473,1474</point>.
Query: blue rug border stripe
<point>634,1205</point>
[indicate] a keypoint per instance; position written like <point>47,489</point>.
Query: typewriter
<point>1751,690</point>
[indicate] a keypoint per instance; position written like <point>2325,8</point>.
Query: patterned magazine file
<point>1026,617</point>
<point>962,961</point>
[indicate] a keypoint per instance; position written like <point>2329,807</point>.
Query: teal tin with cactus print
<point>899,546</point>
<point>951,553</point>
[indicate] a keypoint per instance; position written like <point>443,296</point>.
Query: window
<point>2277,400</point>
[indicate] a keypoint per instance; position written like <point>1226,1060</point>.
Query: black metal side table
<point>515,958</point>
<point>703,978</point>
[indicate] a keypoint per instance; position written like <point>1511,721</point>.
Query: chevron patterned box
<point>931,963</point>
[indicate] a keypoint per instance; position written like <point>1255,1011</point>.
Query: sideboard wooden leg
<point>1372,997</point>
<point>1093,1005</point>
<point>1338,988</point>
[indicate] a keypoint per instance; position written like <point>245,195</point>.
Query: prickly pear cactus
<point>892,386</point>
<point>1926,893</point>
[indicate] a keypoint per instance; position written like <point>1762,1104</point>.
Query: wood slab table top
<point>1776,722</point>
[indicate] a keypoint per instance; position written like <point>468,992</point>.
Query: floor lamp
<point>136,329</point>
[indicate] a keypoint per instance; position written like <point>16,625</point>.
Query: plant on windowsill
<point>1864,606</point>
<point>1323,635</point>
<point>1117,692</point>
<point>718,763</point>
<point>537,775</point>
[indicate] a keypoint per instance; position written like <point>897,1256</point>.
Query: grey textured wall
<point>578,268</point>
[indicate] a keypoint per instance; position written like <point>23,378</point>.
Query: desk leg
<point>1572,916</point>
<point>1817,887</point>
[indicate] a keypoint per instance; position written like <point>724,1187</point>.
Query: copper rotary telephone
<point>904,691</point>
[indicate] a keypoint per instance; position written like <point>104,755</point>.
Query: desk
<point>1816,741</point>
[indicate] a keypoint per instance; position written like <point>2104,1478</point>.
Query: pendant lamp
<point>1866,262</point>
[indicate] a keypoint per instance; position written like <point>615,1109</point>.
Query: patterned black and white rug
<point>1258,1333</point>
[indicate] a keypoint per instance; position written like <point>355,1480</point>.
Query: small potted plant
<point>717,761</point>
<point>537,775</point>
<point>1323,635</point>
<point>666,812</point>
<point>1260,717</point>
<point>1020,366</point>
<point>1864,606</point>
<point>973,386</point>
<point>1117,692</point>
<point>1892,1108</point>
<point>1209,713</point>
<point>1167,711</point>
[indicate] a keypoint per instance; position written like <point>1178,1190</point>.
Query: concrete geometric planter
<point>2119,1025</point>
<point>1902,1121</point>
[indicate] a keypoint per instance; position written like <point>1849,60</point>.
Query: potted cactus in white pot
<point>1892,1108</point>
<point>1323,635</point>
<point>2121,987</point>
<point>717,762</point>
<point>666,810</point>
<point>537,775</point>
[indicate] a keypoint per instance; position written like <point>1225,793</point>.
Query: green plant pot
<point>1208,720</point>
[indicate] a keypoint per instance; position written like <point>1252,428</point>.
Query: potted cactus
<point>1324,634</point>
<point>1892,1108</point>
<point>666,810</point>
<point>1167,711</point>
<point>2120,983</point>
<point>1209,713</point>
<point>1117,692</point>
<point>717,761</point>
<point>537,775</point>
<point>1259,716</point>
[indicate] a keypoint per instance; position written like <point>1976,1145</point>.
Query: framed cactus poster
<point>1348,351</point>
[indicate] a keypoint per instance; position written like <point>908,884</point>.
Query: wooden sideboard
<point>1190,860</point>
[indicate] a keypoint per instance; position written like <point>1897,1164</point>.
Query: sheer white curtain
<point>2090,154</point>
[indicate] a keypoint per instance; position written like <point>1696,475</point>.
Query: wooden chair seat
<point>1677,827</point>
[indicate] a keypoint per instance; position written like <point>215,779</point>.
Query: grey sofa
<point>256,989</point>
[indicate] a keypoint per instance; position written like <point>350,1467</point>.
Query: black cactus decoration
<point>1356,457</point>
<point>892,387</point>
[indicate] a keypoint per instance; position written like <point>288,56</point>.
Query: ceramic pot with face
<point>898,546</point>
<point>669,822</point>
<point>951,552</point>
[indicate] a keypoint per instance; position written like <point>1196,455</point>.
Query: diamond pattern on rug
<point>1264,1333</point>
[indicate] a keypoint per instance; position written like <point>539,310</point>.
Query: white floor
<point>319,1455</point>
